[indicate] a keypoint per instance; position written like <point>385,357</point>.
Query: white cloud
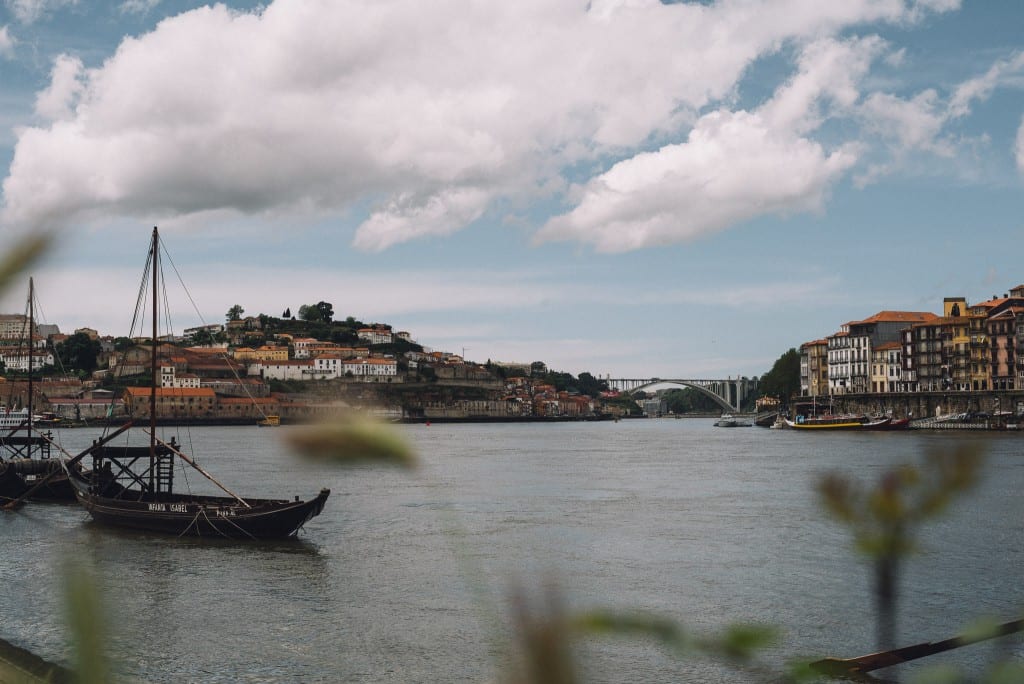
<point>7,42</point>
<point>406,218</point>
<point>30,11</point>
<point>138,6</point>
<point>919,123</point>
<point>429,112</point>
<point>58,101</point>
<point>981,88</point>
<point>733,167</point>
<point>911,123</point>
<point>1020,147</point>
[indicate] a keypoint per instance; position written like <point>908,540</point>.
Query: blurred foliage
<point>883,519</point>
<point>88,626</point>
<point>352,440</point>
<point>26,252</point>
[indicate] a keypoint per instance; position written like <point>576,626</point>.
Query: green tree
<point>591,386</point>
<point>783,380</point>
<point>326,310</point>
<point>310,313</point>
<point>235,312</point>
<point>79,352</point>
<point>202,336</point>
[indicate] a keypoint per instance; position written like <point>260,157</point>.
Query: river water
<point>407,576</point>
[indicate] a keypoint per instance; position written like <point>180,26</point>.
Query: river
<point>407,576</point>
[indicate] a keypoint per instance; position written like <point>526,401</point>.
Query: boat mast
<point>31,325</point>
<point>153,368</point>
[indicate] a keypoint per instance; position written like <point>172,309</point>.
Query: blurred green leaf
<point>352,441</point>
<point>1009,672</point>
<point>87,623</point>
<point>937,674</point>
<point>743,640</point>
<point>23,254</point>
<point>602,622</point>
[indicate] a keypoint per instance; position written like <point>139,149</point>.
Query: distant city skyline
<point>623,188</point>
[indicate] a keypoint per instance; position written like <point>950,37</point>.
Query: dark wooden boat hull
<point>201,516</point>
<point>18,476</point>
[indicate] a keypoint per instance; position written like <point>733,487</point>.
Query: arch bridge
<point>729,393</point>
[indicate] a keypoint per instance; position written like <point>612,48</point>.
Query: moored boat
<point>730,420</point>
<point>134,486</point>
<point>25,454</point>
<point>839,422</point>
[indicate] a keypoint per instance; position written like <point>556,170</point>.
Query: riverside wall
<point>925,404</point>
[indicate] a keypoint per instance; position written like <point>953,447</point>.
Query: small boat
<point>25,454</point>
<point>839,422</point>
<point>729,420</point>
<point>133,486</point>
<point>269,421</point>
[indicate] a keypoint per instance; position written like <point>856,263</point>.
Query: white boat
<point>729,420</point>
<point>10,420</point>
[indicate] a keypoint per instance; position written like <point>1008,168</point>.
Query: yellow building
<point>264,353</point>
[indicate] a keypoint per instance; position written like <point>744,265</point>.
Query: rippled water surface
<point>406,577</point>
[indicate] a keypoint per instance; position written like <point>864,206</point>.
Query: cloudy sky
<point>624,187</point>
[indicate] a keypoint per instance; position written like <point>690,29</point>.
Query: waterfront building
<point>170,401</point>
<point>295,369</point>
<point>927,355</point>
<point>883,328</point>
<point>886,367</point>
<point>814,368</point>
<point>908,377</point>
<point>1002,333</point>
<point>1019,346</point>
<point>839,361</point>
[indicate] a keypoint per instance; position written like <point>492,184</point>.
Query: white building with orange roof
<point>377,368</point>
<point>376,335</point>
<point>295,369</point>
<point>302,346</point>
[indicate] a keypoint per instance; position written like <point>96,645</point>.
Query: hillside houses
<point>234,373</point>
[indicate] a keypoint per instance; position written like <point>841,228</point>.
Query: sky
<point>629,188</point>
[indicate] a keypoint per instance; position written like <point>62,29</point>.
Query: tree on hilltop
<point>321,312</point>
<point>235,312</point>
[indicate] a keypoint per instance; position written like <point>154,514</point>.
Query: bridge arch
<point>728,394</point>
<point>700,388</point>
